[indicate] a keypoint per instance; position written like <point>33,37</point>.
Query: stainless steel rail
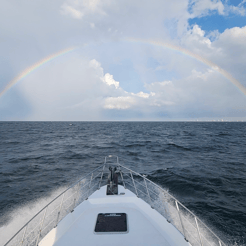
<point>193,229</point>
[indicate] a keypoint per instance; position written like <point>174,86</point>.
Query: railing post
<point>180,219</point>
<point>168,215</point>
<point>76,193</point>
<point>101,175</point>
<point>220,243</point>
<point>23,237</point>
<point>199,232</point>
<point>147,191</point>
<point>134,184</point>
<point>41,226</point>
<point>59,210</point>
<point>90,181</point>
<point>122,179</point>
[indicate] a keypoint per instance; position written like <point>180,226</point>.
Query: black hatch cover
<point>111,222</point>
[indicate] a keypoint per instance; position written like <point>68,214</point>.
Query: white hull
<point>145,225</point>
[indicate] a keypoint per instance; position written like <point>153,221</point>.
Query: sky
<point>97,60</point>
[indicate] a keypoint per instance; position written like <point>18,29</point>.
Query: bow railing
<point>192,228</point>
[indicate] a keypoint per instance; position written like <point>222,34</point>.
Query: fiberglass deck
<point>145,226</point>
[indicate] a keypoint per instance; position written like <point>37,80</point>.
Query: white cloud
<point>164,93</point>
<point>80,90</point>
<point>237,10</point>
<point>79,8</point>
<point>109,79</point>
<point>119,102</point>
<point>106,78</point>
<point>95,64</point>
<point>199,91</point>
<point>200,8</point>
<point>141,94</point>
<point>116,17</point>
<point>73,90</point>
<point>228,50</point>
<point>87,89</point>
<point>236,34</point>
<point>195,40</point>
<point>69,10</point>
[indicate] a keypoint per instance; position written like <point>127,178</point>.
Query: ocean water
<point>203,164</point>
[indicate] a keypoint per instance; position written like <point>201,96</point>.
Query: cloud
<point>63,91</point>
<point>80,8</point>
<point>76,91</point>
<point>240,9</point>
<point>119,102</point>
<point>109,80</point>
<point>106,78</point>
<point>80,89</point>
<point>199,92</point>
<point>124,17</point>
<point>235,34</point>
<point>199,8</point>
<point>111,74</point>
<point>228,49</point>
<point>92,25</point>
<point>195,40</point>
<point>131,100</point>
<point>142,94</point>
<point>69,10</point>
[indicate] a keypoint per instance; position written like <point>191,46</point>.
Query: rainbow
<point>215,67</point>
<point>30,69</point>
<point>197,57</point>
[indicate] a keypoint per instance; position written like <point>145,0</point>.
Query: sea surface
<point>203,164</point>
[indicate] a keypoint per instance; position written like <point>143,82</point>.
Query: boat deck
<point>145,225</point>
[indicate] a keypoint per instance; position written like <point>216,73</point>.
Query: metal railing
<point>193,229</point>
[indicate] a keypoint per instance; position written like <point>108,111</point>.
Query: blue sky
<point>109,77</point>
<point>219,22</point>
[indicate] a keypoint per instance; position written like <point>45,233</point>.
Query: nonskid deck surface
<point>145,225</point>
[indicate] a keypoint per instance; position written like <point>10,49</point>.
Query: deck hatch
<point>111,223</point>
